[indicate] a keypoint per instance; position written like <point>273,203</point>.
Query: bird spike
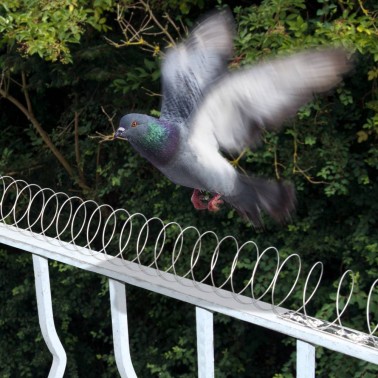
<point>251,276</point>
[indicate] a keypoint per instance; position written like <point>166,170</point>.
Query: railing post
<point>46,318</point>
<point>205,343</point>
<point>305,360</point>
<point>117,291</point>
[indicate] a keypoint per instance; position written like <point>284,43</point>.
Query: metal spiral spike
<point>252,276</point>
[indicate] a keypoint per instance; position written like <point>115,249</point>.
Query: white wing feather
<point>242,104</point>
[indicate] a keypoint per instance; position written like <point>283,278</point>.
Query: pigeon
<point>208,110</point>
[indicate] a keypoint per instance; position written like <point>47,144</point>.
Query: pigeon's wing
<point>194,64</point>
<point>243,104</point>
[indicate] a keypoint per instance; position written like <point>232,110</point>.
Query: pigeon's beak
<point>120,134</point>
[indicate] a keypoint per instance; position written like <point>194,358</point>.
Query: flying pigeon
<point>207,109</point>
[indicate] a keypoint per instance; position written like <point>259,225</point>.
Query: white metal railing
<point>130,249</point>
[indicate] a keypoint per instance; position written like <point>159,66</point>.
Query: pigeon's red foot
<point>197,200</point>
<point>214,203</point>
<point>200,201</point>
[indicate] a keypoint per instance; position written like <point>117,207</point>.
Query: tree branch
<point>157,23</point>
<point>26,93</point>
<point>27,111</point>
<point>77,150</point>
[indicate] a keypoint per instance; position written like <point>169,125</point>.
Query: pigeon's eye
<point>134,124</point>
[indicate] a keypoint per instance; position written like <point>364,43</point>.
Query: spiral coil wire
<point>250,275</point>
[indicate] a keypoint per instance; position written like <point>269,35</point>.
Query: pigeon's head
<point>155,140</point>
<point>132,126</point>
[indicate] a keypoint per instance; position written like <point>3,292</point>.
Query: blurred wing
<point>191,66</point>
<point>243,104</point>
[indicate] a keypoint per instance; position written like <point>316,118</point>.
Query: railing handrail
<point>184,289</point>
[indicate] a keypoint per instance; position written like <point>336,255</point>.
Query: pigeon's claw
<point>214,203</point>
<point>200,201</point>
<point>197,200</point>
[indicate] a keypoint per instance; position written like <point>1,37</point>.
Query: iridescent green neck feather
<point>156,135</point>
<point>159,142</point>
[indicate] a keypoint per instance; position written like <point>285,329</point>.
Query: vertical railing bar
<point>117,291</point>
<point>46,318</point>
<point>305,360</point>
<point>205,343</point>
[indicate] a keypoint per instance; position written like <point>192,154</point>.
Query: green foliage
<point>47,28</point>
<point>329,151</point>
<point>137,76</point>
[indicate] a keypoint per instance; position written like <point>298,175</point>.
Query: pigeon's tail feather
<point>253,195</point>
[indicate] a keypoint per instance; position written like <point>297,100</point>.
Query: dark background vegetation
<point>69,71</point>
